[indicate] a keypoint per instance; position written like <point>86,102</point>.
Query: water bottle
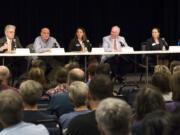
<point>179,42</point>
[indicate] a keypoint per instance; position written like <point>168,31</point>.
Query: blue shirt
<point>24,128</point>
<point>41,46</point>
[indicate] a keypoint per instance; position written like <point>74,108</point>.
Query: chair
<point>52,125</point>
<point>29,59</point>
<point>144,59</point>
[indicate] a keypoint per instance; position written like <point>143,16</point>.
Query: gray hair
<point>9,26</point>
<point>11,106</point>
<point>4,73</point>
<point>31,91</point>
<point>78,93</point>
<point>113,116</point>
<point>117,27</point>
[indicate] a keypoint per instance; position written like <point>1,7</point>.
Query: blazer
<point>17,43</point>
<point>75,45</point>
<point>107,43</point>
<point>151,45</point>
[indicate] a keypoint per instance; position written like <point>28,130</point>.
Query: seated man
<point>100,88</point>
<point>31,91</point>
<point>114,117</point>
<point>61,103</point>
<point>11,116</point>
<point>44,43</point>
<point>78,94</point>
<point>9,42</point>
<point>115,43</point>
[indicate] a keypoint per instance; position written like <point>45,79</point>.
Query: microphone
<point>55,45</point>
<point>165,43</point>
<point>14,44</point>
<point>122,45</point>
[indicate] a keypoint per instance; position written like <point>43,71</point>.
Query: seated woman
<point>156,42</point>
<point>80,41</point>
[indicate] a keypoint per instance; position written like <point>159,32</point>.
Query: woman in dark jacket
<point>80,41</point>
<point>156,42</point>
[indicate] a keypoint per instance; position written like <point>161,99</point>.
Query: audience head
<point>114,117</point>
<point>37,74</point>
<point>9,31</point>
<point>92,69</point>
<point>100,88</point>
<point>155,33</point>
<point>161,81</point>
<point>45,33</point>
<point>157,123</point>
<point>103,68</point>
<point>78,93</point>
<point>71,65</point>
<point>75,74</point>
<point>61,75</point>
<point>4,73</point>
<point>175,86</point>
<point>162,69</point>
<point>31,91</point>
<point>115,31</point>
<point>39,63</point>
<point>81,34</point>
<point>176,69</point>
<point>11,105</point>
<point>147,101</point>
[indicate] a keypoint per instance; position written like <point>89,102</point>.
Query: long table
<point>16,54</point>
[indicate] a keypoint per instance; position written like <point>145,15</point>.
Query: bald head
<point>75,74</point>
<point>115,31</point>
<point>45,33</point>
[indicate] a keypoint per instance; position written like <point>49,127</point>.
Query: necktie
<point>115,45</point>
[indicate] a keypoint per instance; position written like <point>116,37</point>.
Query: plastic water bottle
<point>179,42</point>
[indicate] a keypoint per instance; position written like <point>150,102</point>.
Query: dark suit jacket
<point>17,43</point>
<point>151,45</point>
<point>75,45</point>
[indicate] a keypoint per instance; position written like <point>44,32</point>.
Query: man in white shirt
<point>11,116</point>
<point>114,42</point>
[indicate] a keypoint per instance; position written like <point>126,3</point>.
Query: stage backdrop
<point>135,17</point>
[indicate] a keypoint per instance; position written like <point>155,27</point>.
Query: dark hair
<point>161,81</point>
<point>175,86</point>
<point>11,105</point>
<point>101,87</point>
<point>103,68</point>
<point>84,38</point>
<point>157,123</point>
<point>92,68</point>
<point>148,100</point>
<point>61,75</point>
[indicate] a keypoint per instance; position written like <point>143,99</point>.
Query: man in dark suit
<point>9,42</point>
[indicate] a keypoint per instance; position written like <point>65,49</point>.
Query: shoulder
<point>38,38</point>
<point>121,38</point>
<point>106,38</point>
<point>52,38</point>
<point>3,39</point>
